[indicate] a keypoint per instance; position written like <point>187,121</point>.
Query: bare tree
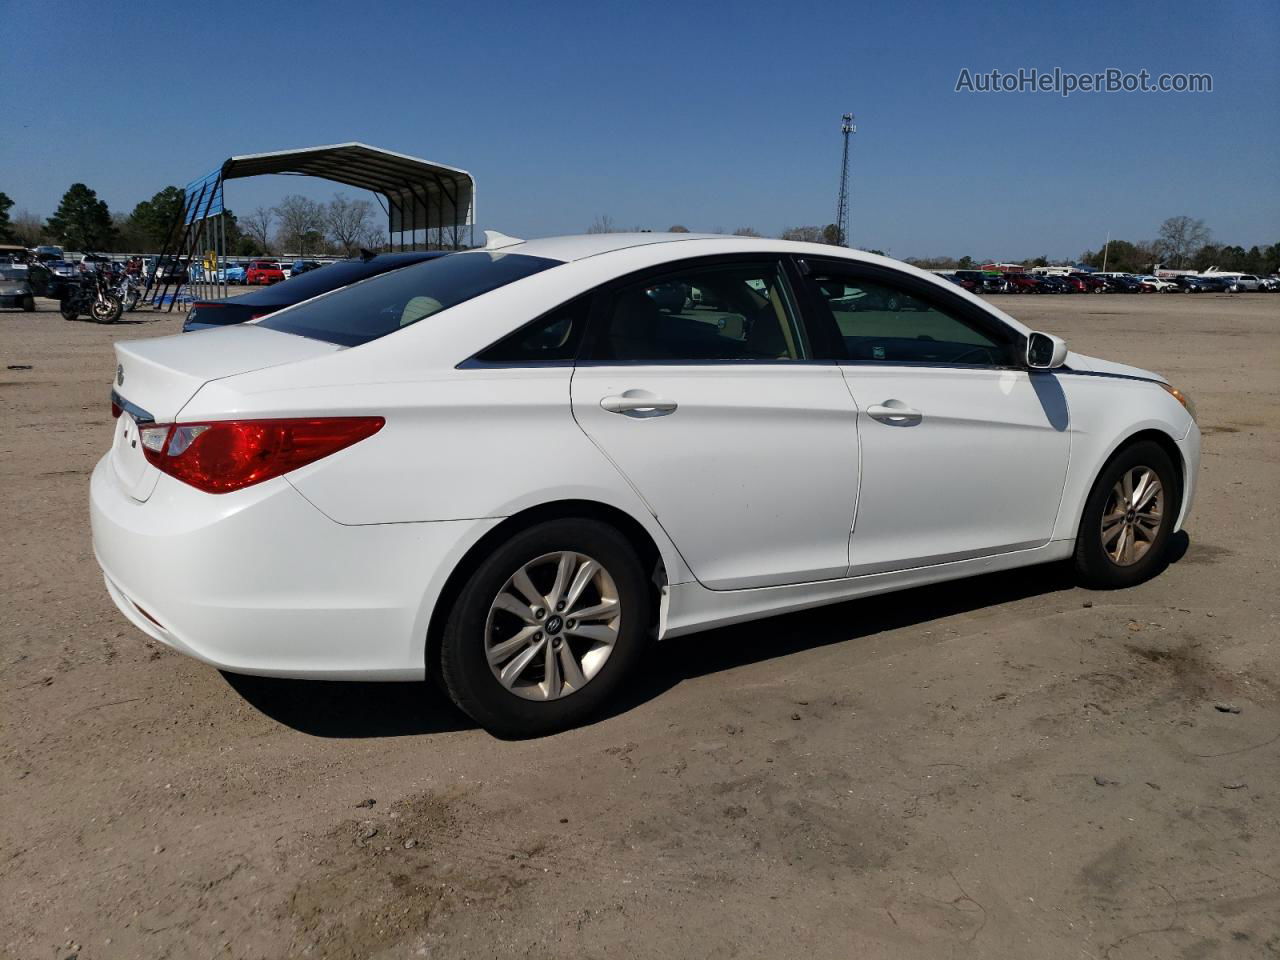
<point>746,232</point>
<point>804,234</point>
<point>1179,238</point>
<point>375,238</point>
<point>258,225</point>
<point>27,227</point>
<point>678,228</point>
<point>298,216</point>
<point>350,220</point>
<point>602,224</point>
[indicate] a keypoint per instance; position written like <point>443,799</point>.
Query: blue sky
<point>714,115</point>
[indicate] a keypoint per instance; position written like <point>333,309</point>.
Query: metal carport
<point>417,195</point>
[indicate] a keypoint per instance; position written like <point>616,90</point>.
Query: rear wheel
<point>546,629</point>
<point>1128,518</point>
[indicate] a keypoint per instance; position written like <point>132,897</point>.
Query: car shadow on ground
<point>324,708</point>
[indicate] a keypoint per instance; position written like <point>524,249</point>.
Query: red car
<point>262,273</point>
<point>1022,283</point>
<point>1091,283</point>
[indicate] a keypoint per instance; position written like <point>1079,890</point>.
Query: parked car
<point>983,282</point>
<point>1270,284</point>
<point>457,469</point>
<point>300,267</point>
<point>1023,283</point>
<point>1243,283</point>
<point>263,273</point>
<point>1091,283</point>
<point>1201,284</point>
<point>1157,285</point>
<point>967,283</point>
<point>236,273</point>
<point>1118,283</point>
<point>169,271</point>
<point>205,314</point>
<point>1075,283</point>
<point>15,288</point>
<point>1055,284</point>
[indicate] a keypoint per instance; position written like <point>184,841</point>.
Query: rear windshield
<point>381,305</point>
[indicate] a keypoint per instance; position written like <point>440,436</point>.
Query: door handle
<point>639,406</point>
<point>895,413</point>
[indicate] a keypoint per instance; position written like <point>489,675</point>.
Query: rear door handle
<point>639,406</point>
<point>895,413</point>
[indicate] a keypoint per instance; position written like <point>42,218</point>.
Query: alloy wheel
<point>1132,516</point>
<point>552,626</point>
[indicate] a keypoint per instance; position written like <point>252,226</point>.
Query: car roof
<point>579,247</point>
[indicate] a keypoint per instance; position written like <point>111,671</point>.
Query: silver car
<point>15,288</point>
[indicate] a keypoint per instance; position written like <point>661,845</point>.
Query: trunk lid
<point>154,379</point>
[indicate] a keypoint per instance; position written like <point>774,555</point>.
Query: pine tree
<point>6,228</point>
<point>82,221</point>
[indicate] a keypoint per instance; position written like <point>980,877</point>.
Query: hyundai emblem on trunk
<point>120,375</point>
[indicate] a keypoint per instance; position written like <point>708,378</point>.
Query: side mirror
<point>1045,352</point>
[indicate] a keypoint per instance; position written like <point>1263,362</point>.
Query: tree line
<point>345,224</point>
<point>297,224</point>
<point>1181,243</point>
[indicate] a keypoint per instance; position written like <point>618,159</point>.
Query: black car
<point>1054,284</point>
<point>1122,285</point>
<point>1196,284</point>
<point>982,281</point>
<point>205,314</point>
<point>303,266</point>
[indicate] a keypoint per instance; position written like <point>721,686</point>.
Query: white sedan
<point>516,467</point>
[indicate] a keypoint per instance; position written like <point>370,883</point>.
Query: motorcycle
<point>95,294</point>
<point>129,290</point>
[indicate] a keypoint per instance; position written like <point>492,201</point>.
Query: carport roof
<point>421,194</point>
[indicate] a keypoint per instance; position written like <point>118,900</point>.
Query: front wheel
<point>1128,518</point>
<point>29,304</point>
<point>106,309</point>
<point>547,628</point>
<point>68,310</point>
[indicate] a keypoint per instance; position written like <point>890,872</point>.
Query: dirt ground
<point>1002,767</point>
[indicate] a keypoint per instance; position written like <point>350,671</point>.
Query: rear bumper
<point>259,581</point>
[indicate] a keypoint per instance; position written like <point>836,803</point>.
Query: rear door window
<point>715,312</point>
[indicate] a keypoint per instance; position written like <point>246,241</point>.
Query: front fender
<point>1106,414</point>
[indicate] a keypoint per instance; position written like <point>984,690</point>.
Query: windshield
<point>381,305</point>
<point>12,273</point>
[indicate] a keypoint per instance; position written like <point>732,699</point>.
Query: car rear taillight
<point>226,455</point>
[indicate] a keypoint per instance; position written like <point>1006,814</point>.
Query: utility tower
<point>842,204</point>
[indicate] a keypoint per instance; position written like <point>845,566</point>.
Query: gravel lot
<point>1003,767</point>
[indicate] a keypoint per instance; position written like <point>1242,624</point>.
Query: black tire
<point>29,304</point>
<point>106,311</point>
<point>463,663</point>
<point>1093,563</point>
<point>68,311</point>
